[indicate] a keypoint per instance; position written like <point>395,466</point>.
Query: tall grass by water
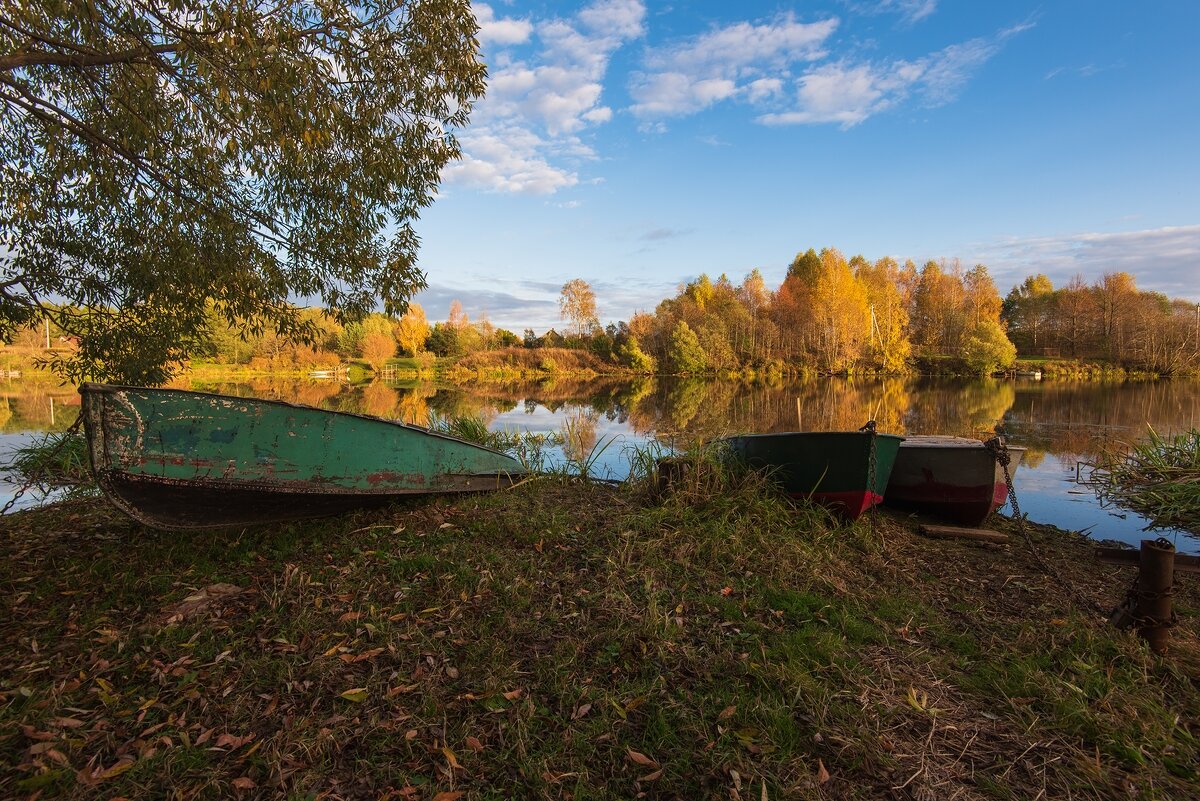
<point>1158,478</point>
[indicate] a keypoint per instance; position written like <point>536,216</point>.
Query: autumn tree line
<point>833,315</point>
<point>838,315</point>
<point>830,315</point>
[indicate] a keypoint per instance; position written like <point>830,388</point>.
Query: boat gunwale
<point>112,389</point>
<point>808,434</point>
<point>950,442</point>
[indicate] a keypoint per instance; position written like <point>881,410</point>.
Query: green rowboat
<point>830,467</point>
<point>177,459</point>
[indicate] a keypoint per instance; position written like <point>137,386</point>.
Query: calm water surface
<point>1060,423</point>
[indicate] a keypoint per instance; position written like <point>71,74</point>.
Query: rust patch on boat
<point>392,478</point>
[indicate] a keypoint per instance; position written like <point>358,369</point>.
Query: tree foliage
<point>412,330</point>
<point>686,355</point>
<point>577,305</point>
<point>987,349</point>
<point>163,159</point>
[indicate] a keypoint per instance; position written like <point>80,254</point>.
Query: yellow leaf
<point>640,759</point>
<point>355,694</point>
<point>117,769</point>
<point>451,758</point>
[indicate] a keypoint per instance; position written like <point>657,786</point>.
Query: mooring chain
<point>869,427</point>
<point>35,475</point>
<point>999,451</point>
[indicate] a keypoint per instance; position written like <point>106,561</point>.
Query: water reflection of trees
<point>379,399</point>
<point>1070,420</point>
<point>960,408</point>
<point>579,433</point>
<point>37,406</point>
<point>1081,419</point>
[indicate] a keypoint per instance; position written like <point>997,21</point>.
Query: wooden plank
<point>960,533</point>
<point>1127,556</point>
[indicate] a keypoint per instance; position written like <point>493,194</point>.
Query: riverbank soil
<point>571,640</point>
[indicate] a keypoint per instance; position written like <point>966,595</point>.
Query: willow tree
<point>161,157</point>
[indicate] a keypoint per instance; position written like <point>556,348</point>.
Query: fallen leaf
<point>649,777</point>
<point>349,616</point>
<point>355,694</point>
<point>117,769</point>
<point>449,796</point>
<point>474,744</point>
<point>244,783</point>
<point>763,795</point>
<point>513,695</point>
<point>822,774</point>
<point>232,742</point>
<point>451,758</point>
<point>67,723</point>
<point>640,759</point>
<point>727,713</point>
<point>404,688</point>
<point>581,711</point>
<point>411,734</point>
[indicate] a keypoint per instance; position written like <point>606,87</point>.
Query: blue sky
<point>636,145</point>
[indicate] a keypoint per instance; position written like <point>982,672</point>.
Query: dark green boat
<point>830,467</point>
<point>177,459</point>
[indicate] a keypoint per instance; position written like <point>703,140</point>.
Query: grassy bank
<point>570,640</point>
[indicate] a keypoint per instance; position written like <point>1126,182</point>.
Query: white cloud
<point>739,60</point>
<point>1163,260</point>
<point>510,159</point>
<point>540,99</point>
<point>910,11</point>
<point>848,93</point>
<point>763,89</point>
<point>500,31</point>
<point>617,18</point>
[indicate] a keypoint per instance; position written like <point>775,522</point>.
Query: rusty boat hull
<point>955,479</point>
<point>832,468</point>
<point>182,460</point>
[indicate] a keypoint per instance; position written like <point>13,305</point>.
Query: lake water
<point>1060,423</point>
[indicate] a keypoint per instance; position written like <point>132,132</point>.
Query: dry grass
<point>569,640</point>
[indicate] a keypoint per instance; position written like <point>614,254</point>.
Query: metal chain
<point>869,427</point>
<point>999,451</point>
<point>36,474</point>
<point>1122,616</point>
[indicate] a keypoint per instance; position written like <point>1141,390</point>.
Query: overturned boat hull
<point>951,478</point>
<point>832,468</point>
<point>179,459</point>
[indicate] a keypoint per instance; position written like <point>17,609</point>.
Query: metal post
<point>1156,583</point>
